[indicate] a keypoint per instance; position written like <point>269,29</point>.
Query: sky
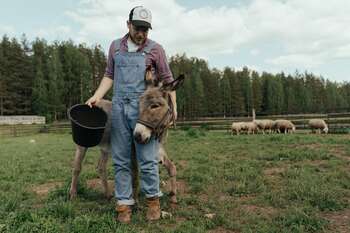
<point>264,35</point>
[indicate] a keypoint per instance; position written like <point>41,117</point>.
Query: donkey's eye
<point>153,106</point>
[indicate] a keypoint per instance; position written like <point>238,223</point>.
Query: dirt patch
<point>339,220</point>
<point>43,189</point>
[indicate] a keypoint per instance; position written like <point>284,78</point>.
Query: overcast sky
<point>265,35</point>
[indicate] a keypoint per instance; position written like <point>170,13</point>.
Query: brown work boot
<point>124,213</point>
<point>153,209</point>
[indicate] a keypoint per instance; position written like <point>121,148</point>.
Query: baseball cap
<point>141,16</point>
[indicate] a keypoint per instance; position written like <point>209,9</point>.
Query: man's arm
<point>173,99</point>
<point>103,88</point>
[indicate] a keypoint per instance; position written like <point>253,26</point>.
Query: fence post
<point>14,131</point>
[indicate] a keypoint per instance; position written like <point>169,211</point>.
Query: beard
<point>138,39</point>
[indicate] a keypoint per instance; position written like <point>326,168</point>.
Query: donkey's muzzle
<point>140,139</point>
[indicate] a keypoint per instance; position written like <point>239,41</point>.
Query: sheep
<point>250,127</point>
<point>317,125</point>
<point>284,126</point>
<point>262,124</point>
<point>236,127</point>
<point>265,125</point>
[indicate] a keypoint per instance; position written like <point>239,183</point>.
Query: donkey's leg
<point>78,159</point>
<point>102,171</point>
<point>171,168</point>
<point>135,175</point>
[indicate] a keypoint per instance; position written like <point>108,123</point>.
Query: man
<point>127,61</point>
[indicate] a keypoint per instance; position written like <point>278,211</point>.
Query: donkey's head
<point>156,111</point>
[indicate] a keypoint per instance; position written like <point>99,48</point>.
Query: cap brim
<point>140,23</point>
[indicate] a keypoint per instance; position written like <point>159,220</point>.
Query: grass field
<point>248,183</point>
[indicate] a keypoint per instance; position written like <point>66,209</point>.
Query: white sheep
<point>250,127</point>
<point>284,126</point>
<point>265,125</point>
<point>236,127</point>
<point>317,125</point>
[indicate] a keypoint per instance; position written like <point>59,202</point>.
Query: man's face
<point>138,34</point>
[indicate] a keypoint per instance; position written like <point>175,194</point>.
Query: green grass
<point>251,183</point>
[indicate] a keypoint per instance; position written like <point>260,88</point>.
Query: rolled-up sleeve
<point>109,72</point>
<point>163,71</point>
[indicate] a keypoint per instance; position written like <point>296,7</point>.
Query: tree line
<point>38,78</point>
<point>45,79</point>
<point>230,92</point>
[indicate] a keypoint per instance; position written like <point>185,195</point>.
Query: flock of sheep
<point>275,126</point>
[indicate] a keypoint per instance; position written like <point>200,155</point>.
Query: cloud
<point>297,60</point>
<point>57,33</point>
<point>302,33</point>
<point>7,29</point>
<point>299,26</point>
<point>254,52</point>
<point>310,33</point>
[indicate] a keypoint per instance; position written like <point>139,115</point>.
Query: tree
<point>256,92</point>
<point>245,83</point>
<point>55,86</point>
<point>40,94</point>
<point>40,83</point>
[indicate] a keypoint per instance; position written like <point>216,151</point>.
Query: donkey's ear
<point>149,78</point>
<point>172,86</point>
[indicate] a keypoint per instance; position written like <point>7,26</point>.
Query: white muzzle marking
<point>142,130</point>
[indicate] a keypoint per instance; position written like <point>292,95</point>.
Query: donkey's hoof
<point>173,202</point>
<point>72,195</point>
<point>108,196</point>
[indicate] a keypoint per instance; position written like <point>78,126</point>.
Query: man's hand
<point>105,85</point>
<point>175,114</point>
<point>94,100</point>
<point>173,100</point>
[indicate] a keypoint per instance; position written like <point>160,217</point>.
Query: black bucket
<point>88,124</point>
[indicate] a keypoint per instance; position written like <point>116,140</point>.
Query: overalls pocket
<point>128,71</point>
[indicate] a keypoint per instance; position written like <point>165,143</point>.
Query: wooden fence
<point>335,121</point>
<point>24,130</point>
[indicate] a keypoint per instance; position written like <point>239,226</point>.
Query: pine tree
<point>291,105</point>
<point>39,98</point>
<point>40,93</point>
<point>256,92</point>
<point>26,74</point>
<point>3,88</point>
<point>197,90</point>
<point>56,105</point>
<point>245,83</point>
<point>225,87</point>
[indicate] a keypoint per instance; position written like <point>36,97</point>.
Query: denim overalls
<point>129,73</point>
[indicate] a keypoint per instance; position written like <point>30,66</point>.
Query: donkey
<point>156,114</point>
